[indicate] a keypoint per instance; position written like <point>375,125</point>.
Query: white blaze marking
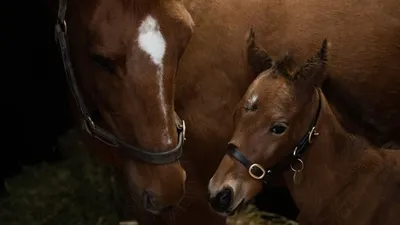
<point>151,40</point>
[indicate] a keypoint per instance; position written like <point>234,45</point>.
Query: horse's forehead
<point>151,40</point>
<point>120,28</point>
<point>121,15</point>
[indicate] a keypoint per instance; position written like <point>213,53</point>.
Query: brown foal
<point>284,125</point>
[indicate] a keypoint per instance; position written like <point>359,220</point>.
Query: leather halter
<point>258,172</point>
<point>89,126</point>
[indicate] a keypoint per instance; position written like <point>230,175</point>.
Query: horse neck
<point>329,163</point>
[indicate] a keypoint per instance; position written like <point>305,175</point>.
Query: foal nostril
<point>223,200</point>
<point>225,196</point>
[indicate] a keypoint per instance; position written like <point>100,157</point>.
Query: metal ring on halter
<point>63,25</point>
<point>311,134</point>
<point>295,151</point>
<point>259,167</point>
<point>184,130</point>
<point>301,168</point>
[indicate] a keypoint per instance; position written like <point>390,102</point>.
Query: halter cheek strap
<point>255,170</point>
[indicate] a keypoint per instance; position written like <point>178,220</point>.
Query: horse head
<point>125,54</point>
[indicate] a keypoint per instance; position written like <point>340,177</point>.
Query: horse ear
<point>313,71</point>
<point>257,58</point>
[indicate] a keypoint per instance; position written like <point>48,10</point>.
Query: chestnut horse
<point>284,123</point>
<point>145,65</point>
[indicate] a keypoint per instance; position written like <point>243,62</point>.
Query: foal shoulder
<point>384,194</point>
<point>388,210</point>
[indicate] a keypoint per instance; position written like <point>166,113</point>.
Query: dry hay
<point>252,216</point>
<point>78,191</point>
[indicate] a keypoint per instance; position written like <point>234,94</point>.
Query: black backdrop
<point>34,101</point>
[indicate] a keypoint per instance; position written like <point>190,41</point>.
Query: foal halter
<point>89,126</point>
<point>258,172</point>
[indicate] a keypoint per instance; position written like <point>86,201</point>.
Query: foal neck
<point>330,164</point>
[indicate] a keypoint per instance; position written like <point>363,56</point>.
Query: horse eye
<point>104,63</point>
<point>278,129</point>
<point>251,108</point>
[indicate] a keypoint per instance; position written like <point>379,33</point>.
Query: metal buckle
<point>63,25</point>
<point>88,125</point>
<point>259,167</point>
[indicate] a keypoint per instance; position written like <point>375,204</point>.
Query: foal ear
<point>257,58</point>
<point>313,71</point>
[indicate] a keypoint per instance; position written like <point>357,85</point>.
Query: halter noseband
<point>258,172</point>
<point>89,126</point>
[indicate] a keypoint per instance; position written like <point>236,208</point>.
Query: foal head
<point>126,54</point>
<point>271,118</point>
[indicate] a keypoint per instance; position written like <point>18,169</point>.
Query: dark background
<point>34,100</point>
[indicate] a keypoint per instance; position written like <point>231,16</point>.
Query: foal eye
<point>104,63</point>
<point>278,129</point>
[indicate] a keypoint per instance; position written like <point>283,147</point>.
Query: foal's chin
<point>236,208</point>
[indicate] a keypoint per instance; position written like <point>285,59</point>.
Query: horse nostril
<point>223,200</point>
<point>149,200</point>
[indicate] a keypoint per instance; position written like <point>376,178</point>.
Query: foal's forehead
<point>268,86</point>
